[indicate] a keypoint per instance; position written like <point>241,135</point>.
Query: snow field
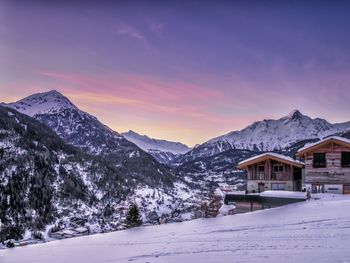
<point>313,231</point>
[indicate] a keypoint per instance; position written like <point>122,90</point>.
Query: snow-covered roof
<point>270,155</point>
<point>323,141</point>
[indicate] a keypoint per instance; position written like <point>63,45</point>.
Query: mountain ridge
<point>267,135</point>
<point>163,151</point>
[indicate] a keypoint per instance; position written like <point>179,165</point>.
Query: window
<point>319,160</point>
<point>261,168</point>
<point>345,159</point>
<point>278,168</point>
<point>317,188</point>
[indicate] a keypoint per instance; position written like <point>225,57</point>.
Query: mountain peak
<point>47,94</point>
<point>40,103</point>
<point>53,93</point>
<point>294,114</point>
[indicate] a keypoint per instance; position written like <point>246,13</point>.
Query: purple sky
<point>185,71</point>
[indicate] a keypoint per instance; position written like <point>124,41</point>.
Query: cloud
<point>88,51</point>
<point>125,29</point>
<point>156,27</point>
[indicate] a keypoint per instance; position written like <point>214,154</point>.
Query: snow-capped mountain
<point>163,151</point>
<point>84,131</point>
<point>47,185</point>
<point>268,135</point>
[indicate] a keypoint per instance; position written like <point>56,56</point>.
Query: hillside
<point>314,231</point>
<point>42,179</point>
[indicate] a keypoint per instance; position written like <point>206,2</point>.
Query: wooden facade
<point>272,172</point>
<point>325,170</point>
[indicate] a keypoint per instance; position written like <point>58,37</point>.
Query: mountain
<point>84,131</point>
<point>163,151</point>
<point>47,185</point>
<point>267,135</point>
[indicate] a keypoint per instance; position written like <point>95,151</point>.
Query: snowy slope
<point>164,151</point>
<point>314,231</point>
<point>268,135</point>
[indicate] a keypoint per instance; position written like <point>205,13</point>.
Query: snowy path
<point>316,231</point>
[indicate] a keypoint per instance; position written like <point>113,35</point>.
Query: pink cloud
<point>184,105</point>
<point>140,91</point>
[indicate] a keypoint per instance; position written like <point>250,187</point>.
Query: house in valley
<point>327,165</point>
<point>272,171</point>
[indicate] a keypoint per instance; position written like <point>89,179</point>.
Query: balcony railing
<point>280,176</point>
<point>274,176</point>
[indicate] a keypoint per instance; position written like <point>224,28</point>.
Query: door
<point>297,185</point>
<point>261,187</point>
<point>346,189</point>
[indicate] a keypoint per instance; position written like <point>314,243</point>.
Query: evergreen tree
<point>214,204</point>
<point>133,217</point>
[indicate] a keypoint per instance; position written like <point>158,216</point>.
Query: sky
<point>180,70</point>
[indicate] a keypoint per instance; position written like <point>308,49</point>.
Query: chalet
<point>272,171</point>
<point>327,165</point>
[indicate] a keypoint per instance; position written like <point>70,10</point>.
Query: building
<point>272,171</point>
<point>327,165</point>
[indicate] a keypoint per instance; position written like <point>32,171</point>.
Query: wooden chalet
<point>327,165</point>
<point>271,171</point>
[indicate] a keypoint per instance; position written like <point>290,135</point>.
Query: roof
<point>316,145</point>
<point>272,156</point>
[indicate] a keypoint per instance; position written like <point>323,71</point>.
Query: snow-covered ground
<point>313,231</point>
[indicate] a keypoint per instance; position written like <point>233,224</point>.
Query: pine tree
<point>133,217</point>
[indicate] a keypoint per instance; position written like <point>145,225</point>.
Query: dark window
<point>278,168</point>
<point>277,186</point>
<point>319,160</point>
<point>261,168</point>
<point>345,159</point>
